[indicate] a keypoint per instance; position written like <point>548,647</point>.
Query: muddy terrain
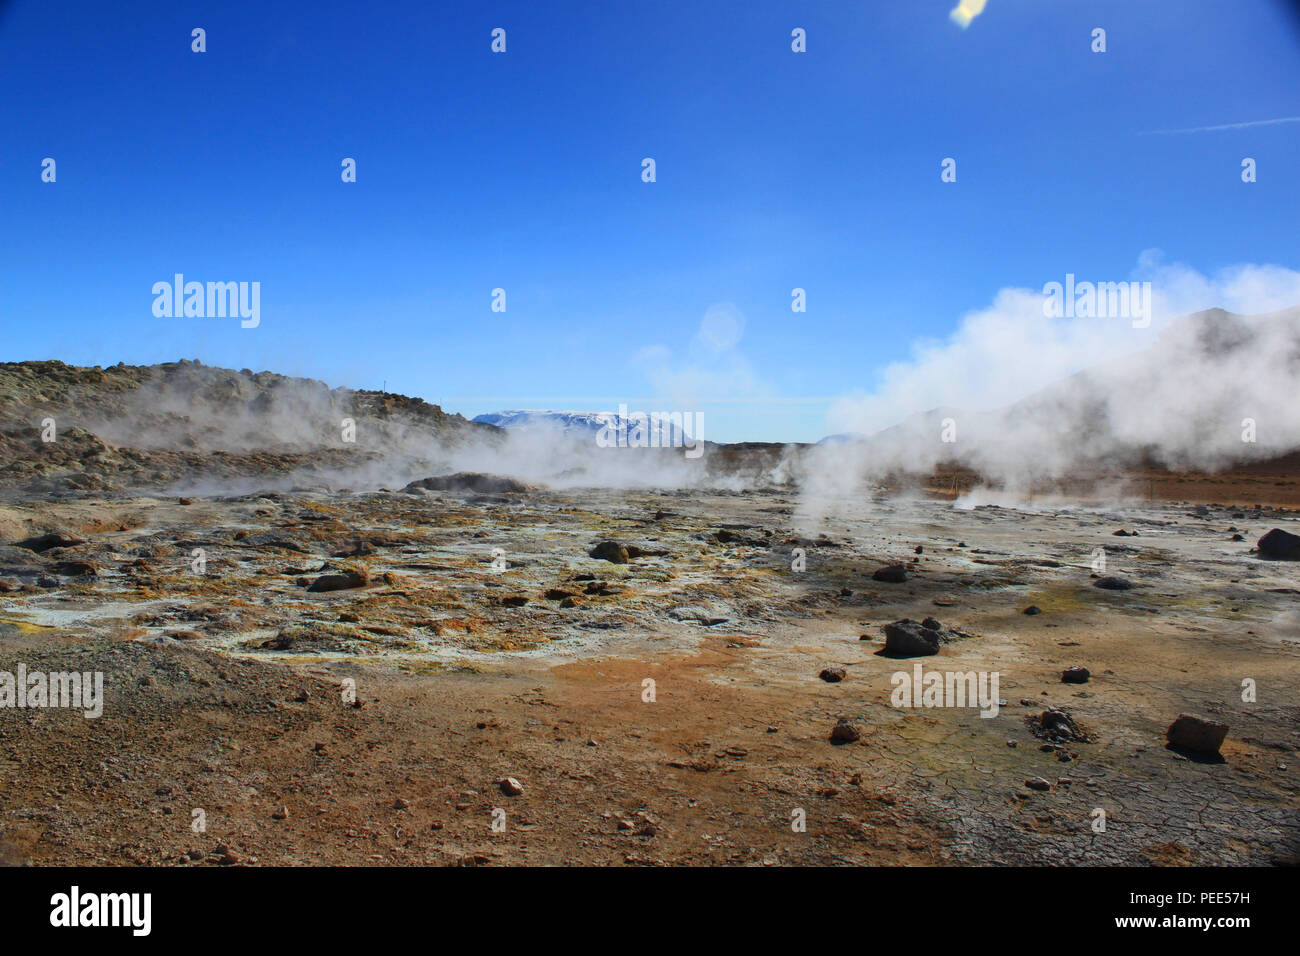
<point>448,675</point>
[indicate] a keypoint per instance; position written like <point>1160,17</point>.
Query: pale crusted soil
<point>459,689</point>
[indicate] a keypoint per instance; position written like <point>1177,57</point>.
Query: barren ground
<point>226,687</point>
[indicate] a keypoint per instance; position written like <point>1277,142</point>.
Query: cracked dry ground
<point>224,689</point>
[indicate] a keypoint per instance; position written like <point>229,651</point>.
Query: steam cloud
<point>1034,398</point>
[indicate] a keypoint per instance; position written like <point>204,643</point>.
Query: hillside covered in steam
<point>124,426</point>
<point>1214,392</point>
<point>185,427</point>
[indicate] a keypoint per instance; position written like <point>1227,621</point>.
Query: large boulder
<point>470,481</point>
<point>891,574</point>
<point>906,638</point>
<point>1196,734</point>
<point>612,551</point>
<point>346,580</point>
<point>45,542</point>
<point>1112,583</point>
<point>1280,544</point>
<point>845,732</point>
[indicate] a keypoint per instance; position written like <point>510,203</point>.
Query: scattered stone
<point>1038,783</point>
<point>832,675</point>
<point>1075,675</point>
<point>1112,583</point>
<point>1196,734</point>
<point>281,814</point>
<point>558,594</point>
<point>845,732</point>
<point>45,542</point>
<point>513,600</point>
<point>906,638</point>
<point>611,551</point>
<point>1032,610</point>
<point>351,578</point>
<point>919,550</point>
<point>510,786</point>
<point>1056,726</point>
<point>470,481</point>
<point>226,856</point>
<point>1278,544</point>
<point>891,574</point>
<point>401,804</point>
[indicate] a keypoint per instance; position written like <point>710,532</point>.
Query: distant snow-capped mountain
<point>533,418</point>
<point>572,422</point>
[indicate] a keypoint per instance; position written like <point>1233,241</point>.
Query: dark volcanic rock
<point>341,582</point>
<point>1196,734</point>
<point>1032,610</point>
<point>55,539</point>
<point>20,562</point>
<point>1280,544</point>
<point>893,574</point>
<point>1075,675</point>
<point>845,732</point>
<point>930,624</point>
<point>1112,583</point>
<point>470,481</point>
<point>611,551</point>
<point>1057,726</point>
<point>908,639</point>
<point>832,675</point>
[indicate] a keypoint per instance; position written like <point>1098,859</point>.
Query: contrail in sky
<point>1212,129</point>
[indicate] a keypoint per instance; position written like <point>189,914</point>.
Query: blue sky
<point>522,171</point>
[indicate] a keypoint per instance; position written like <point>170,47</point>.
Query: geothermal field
<point>441,642</point>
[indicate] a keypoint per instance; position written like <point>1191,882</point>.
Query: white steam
<point>1023,397</point>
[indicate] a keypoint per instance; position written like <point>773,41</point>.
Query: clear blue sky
<point>523,171</point>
